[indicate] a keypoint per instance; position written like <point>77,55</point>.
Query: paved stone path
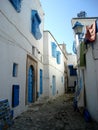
<point>56,114</point>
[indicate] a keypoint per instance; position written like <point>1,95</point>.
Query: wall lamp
<point>78,29</point>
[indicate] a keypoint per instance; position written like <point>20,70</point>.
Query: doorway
<point>31,80</point>
<point>30,84</point>
<point>53,85</point>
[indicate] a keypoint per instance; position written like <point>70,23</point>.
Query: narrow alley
<point>55,114</point>
<point>48,48</point>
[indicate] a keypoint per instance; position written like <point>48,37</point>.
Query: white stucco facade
<point>52,68</point>
<point>72,79</point>
<point>90,71</point>
<point>16,41</point>
<point>28,70</point>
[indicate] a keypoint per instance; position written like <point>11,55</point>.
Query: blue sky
<point>58,15</point>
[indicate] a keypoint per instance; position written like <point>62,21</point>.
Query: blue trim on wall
<point>53,85</point>
<point>53,45</point>
<point>15,95</point>
<point>73,71</point>
<point>35,22</point>
<point>74,47</point>
<point>41,81</point>
<point>16,4</point>
<point>58,54</point>
<point>30,84</point>
<point>35,14</point>
<point>15,69</point>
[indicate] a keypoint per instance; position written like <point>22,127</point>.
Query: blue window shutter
<point>73,72</point>
<point>71,69</point>
<point>41,81</point>
<point>33,26</point>
<point>74,47</point>
<point>62,79</point>
<point>15,69</point>
<point>16,4</point>
<point>35,21</point>
<point>58,57</point>
<point>53,49</point>
<point>15,95</point>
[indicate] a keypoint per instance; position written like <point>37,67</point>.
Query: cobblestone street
<point>56,114</point>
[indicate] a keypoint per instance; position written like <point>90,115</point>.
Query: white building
<point>21,50</point>
<point>88,73</point>
<point>29,70</point>
<point>72,71</point>
<point>65,60</point>
<point>54,77</point>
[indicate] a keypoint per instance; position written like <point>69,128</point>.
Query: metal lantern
<point>78,28</point>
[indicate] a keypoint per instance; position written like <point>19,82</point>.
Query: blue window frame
<point>58,54</point>
<point>62,79</point>
<point>74,47</point>
<point>15,70</point>
<point>53,45</point>
<point>73,71</point>
<point>35,22</point>
<point>15,95</point>
<point>16,4</point>
<point>41,81</point>
<point>53,85</point>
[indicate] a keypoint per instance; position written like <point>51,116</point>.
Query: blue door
<point>30,84</point>
<point>53,85</point>
<point>41,81</point>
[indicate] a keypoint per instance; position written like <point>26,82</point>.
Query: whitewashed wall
<point>16,42</point>
<point>92,80</point>
<point>91,72</point>
<point>51,67</point>
<point>46,78</point>
<point>72,60</point>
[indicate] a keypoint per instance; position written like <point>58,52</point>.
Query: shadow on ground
<point>54,114</point>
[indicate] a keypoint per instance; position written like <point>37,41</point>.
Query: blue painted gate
<point>41,81</point>
<point>53,85</point>
<point>30,84</point>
